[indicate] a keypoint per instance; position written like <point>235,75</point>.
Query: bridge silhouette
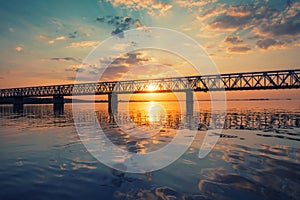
<point>280,79</point>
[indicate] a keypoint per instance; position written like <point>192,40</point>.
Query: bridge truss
<point>283,79</point>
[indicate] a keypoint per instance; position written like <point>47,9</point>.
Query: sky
<point>45,42</point>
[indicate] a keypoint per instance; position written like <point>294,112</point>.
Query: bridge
<point>280,79</point>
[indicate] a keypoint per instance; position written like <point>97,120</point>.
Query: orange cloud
<point>213,12</point>
<point>194,3</point>
<point>152,6</point>
<point>238,11</point>
<point>52,40</point>
<point>60,38</point>
<point>19,48</point>
<point>83,44</point>
<point>42,37</point>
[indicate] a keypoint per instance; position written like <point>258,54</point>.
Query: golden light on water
<point>156,113</point>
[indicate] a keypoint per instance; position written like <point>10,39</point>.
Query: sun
<point>151,87</point>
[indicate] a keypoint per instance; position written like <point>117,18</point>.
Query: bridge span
<point>280,79</point>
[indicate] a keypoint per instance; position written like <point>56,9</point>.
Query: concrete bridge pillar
<point>189,102</point>
<point>58,103</point>
<point>112,103</point>
<point>18,104</point>
<point>189,108</point>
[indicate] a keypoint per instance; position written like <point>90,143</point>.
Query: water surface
<point>256,157</point>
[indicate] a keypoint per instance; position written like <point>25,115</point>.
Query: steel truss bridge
<point>283,79</point>
<point>280,79</point>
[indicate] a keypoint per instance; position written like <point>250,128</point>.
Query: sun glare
<point>151,87</point>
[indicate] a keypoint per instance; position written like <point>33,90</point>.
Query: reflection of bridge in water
<point>248,120</point>
<point>207,120</point>
<point>282,79</point>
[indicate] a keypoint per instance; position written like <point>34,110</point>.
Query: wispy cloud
<point>56,39</point>
<point>63,59</point>
<point>151,6</point>
<point>75,68</point>
<point>83,44</point>
<point>239,50</point>
<point>52,40</point>
<point>191,4</point>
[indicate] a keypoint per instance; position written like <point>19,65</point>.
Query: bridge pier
<point>189,102</point>
<point>18,104</point>
<point>112,103</point>
<point>189,107</point>
<point>58,103</point>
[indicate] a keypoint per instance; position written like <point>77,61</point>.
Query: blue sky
<point>44,42</point>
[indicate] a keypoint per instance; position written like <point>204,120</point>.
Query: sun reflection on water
<point>157,113</point>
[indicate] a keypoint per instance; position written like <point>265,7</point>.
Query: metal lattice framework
<point>283,79</point>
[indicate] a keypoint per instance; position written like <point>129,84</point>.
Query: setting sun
<point>151,87</point>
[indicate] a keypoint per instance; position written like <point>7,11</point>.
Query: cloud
<point>212,12</point>
<point>57,23</point>
<point>239,11</point>
<point>129,59</point>
<point>230,39</point>
<point>288,27</point>
<point>209,45</point>
<point>52,40</point>
<point>161,7</point>
<point>234,17</point>
<point>19,48</point>
<point>190,4</point>
<point>269,43</point>
<point>239,50</point>
<point>262,18</point>
<point>83,44</point>
<point>231,23</point>
<point>110,73</point>
<point>244,16</point>
<point>114,70</point>
<point>120,24</point>
<point>58,38</point>
<point>66,59</point>
<point>257,20</point>
<point>42,37</point>
<point>151,6</point>
<point>72,35</point>
<point>75,68</point>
